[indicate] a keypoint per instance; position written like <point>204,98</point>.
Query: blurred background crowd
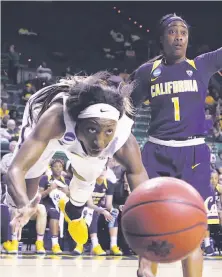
<point>51,40</point>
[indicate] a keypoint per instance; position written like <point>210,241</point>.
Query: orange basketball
<point>164,219</point>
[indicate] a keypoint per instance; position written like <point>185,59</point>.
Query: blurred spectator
<point>7,158</point>
<point>209,100</point>
<point>40,216</point>
<point>31,80</point>
<point>13,64</point>
<point>4,110</point>
<point>4,122</point>
<point>14,114</point>
<point>68,72</point>
<point>101,203</point>
<point>52,188</point>
<point>213,159</point>
<point>218,192</point>
<point>12,132</point>
<point>124,75</point>
<point>121,192</point>
<point>5,229</point>
<point>208,122</point>
<point>219,162</point>
<point>28,91</point>
<point>44,75</point>
<point>41,219</point>
<point>4,93</point>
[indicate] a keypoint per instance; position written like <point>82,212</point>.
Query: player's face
<point>175,40</point>
<point>95,134</point>
<point>57,169</point>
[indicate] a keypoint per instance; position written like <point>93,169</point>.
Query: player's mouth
<point>178,46</point>
<point>94,152</point>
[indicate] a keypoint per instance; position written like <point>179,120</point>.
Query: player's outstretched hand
<point>23,216</point>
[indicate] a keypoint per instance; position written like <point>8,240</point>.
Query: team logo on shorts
<point>156,73</point>
<point>189,73</point>
<point>69,136</point>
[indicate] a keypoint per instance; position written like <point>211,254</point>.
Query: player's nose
<point>99,143</point>
<point>178,38</point>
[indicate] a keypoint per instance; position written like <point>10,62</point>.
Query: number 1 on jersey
<point>176,104</point>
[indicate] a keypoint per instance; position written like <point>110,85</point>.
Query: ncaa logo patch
<point>69,136</point>
<point>157,72</point>
<point>189,73</point>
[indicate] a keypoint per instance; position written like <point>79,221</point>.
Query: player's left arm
<point>130,157</point>
<point>210,62</point>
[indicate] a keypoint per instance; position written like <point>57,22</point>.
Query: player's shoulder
<point>146,67</point>
<point>54,116</point>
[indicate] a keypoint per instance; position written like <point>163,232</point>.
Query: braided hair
<point>82,91</point>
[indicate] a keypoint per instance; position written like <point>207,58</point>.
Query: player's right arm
<point>142,82</point>
<point>50,126</point>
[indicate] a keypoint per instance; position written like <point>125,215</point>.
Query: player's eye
<point>92,130</point>
<point>109,132</point>
<point>184,33</point>
<point>172,32</point>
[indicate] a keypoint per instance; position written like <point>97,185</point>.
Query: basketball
<point>164,220</point>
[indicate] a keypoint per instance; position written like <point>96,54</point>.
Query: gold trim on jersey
<point>192,63</point>
<point>155,65</point>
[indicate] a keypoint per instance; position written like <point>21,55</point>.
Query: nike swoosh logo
<point>152,80</point>
<point>194,166</point>
<point>102,111</point>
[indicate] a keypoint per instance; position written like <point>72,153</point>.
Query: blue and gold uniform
<point>176,94</point>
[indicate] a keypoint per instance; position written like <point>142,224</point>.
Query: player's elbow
<point>12,175</point>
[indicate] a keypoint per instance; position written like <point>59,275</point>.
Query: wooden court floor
<point>89,266</point>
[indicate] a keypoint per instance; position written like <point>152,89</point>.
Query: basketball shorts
<point>188,163</point>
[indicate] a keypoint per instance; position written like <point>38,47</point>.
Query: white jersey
<point>89,168</point>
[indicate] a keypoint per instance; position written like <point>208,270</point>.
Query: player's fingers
<point>15,227</point>
<point>109,218</point>
<point>14,220</point>
<point>19,233</point>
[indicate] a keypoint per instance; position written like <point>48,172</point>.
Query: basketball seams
<point>162,200</point>
<point>164,234</point>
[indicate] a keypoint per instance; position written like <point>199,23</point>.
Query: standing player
<point>86,117</point>
<point>176,88</point>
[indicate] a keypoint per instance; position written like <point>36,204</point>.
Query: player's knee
<point>41,210</point>
<point>72,211</point>
<point>53,214</point>
<point>115,214</point>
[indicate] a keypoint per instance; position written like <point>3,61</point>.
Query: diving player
<point>86,118</point>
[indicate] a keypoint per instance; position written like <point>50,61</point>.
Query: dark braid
<point>82,91</point>
<point>44,100</point>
